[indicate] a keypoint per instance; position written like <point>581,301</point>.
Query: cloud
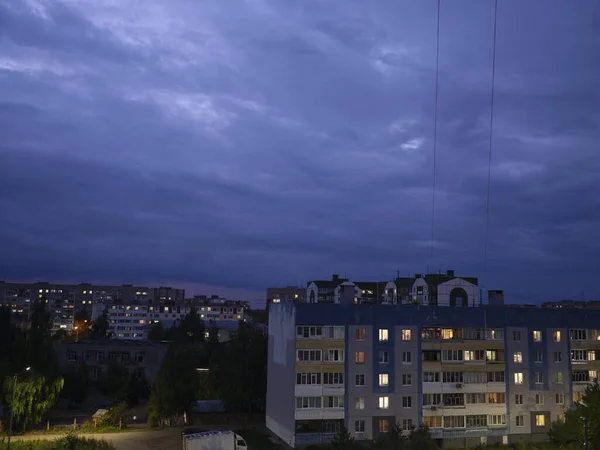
<point>261,144</point>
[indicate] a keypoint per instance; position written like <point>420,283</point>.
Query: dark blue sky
<point>240,144</point>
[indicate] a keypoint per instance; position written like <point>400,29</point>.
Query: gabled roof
<point>435,279</point>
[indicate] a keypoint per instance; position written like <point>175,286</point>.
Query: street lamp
<point>12,405</point>
<point>76,333</point>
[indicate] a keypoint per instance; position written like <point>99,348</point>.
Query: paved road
<point>166,439</point>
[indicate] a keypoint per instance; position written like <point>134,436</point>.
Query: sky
<point>230,146</point>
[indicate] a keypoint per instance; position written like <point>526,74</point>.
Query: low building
<point>286,294</point>
<point>143,358</point>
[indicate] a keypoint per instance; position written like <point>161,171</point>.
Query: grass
<point>68,442</point>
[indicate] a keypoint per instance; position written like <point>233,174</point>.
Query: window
<point>497,419</point>
<point>578,355</point>
<point>539,357</point>
<point>384,379</point>
<point>495,334</point>
<point>591,355</point>
<point>492,355</point>
<point>384,357</point>
<point>384,402</point>
<point>539,378</point>
<point>407,425</point>
<point>558,378</point>
<point>359,426</point>
<point>383,334</point>
<point>537,336</point>
<point>518,399</point>
<point>360,403</point>
<point>384,425</point>
<point>496,398</point>
<point>495,377</point>
<point>360,336</point>
<point>432,399</point>
<point>308,378</point>
<point>139,357</point>
<point>359,357</point>
<point>452,355</point>
<point>519,378</point>
<point>71,356</point>
<point>540,420</point>
<point>452,377</point>
<point>334,332</point>
<point>309,332</point>
<point>333,355</point>
<point>359,380</point>
<point>557,356</point>
<point>474,355</point>
<point>334,401</point>
<point>308,402</point>
<point>453,399</point>
<point>333,378</point>
<point>431,377</point>
<point>407,402</point>
<point>518,357</point>
<point>432,421</point>
<point>539,399</point>
<point>578,335</point>
<point>454,421</point>
<point>308,355</point>
<point>476,421</point>
<point>431,355</point>
<point>560,399</point>
<point>516,336</point>
<point>406,335</point>
<point>520,421</point>
<point>556,336</point>
<point>475,398</point>
<point>406,357</point>
<point>475,377</point>
<point>406,379</point>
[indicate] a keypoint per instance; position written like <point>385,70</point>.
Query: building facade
<point>440,289</point>
<point>142,358</point>
<point>472,375</point>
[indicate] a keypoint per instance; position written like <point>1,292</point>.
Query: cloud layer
<point>264,142</point>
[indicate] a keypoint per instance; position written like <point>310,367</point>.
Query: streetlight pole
<point>76,334</point>
<point>12,407</point>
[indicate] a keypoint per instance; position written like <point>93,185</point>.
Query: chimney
<point>450,273</point>
<point>495,298</point>
<point>417,275</point>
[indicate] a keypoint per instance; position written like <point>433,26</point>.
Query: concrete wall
<point>281,372</point>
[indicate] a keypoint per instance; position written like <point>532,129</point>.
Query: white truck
<point>214,440</point>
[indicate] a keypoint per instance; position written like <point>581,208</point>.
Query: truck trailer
<point>214,440</point>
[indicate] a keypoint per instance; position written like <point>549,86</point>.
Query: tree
<point>34,396</point>
<point>100,326</point>
<point>190,329</point>
<point>392,440</point>
<point>115,382</point>
<point>570,431</point>
<point>343,440</point>
<point>75,384</point>
<point>156,332</point>
<point>82,324</point>
<point>420,439</point>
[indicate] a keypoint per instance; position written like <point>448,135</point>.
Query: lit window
<point>384,379</point>
<point>384,425</point>
<point>360,334</point>
<point>360,403</point>
<point>558,377</point>
<point>556,336</point>
<point>519,378</point>
<point>406,335</point>
<point>518,357</point>
<point>537,336</point>
<point>359,358</point>
<point>540,420</point>
<point>384,402</point>
<point>383,334</point>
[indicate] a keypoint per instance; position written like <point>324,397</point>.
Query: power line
<point>489,183</point>
<point>435,123</point>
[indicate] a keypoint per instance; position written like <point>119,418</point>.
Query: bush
<point>69,442</point>
<point>113,417</point>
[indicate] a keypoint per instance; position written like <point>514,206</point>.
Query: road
<point>166,439</point>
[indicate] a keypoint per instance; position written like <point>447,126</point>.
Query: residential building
<point>573,304</point>
<point>162,295</point>
<point>143,358</point>
<point>133,321</point>
<point>473,375</point>
<point>439,289</point>
<point>293,294</point>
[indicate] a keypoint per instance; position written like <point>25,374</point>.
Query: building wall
<point>281,370</point>
<point>524,342</point>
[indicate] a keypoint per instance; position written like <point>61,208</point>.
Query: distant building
<point>286,294</point>
<point>439,289</point>
<point>495,298</point>
<point>573,304</point>
<point>163,295</point>
<point>143,358</point>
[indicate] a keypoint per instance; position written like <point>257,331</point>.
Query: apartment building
<point>133,321</point>
<point>440,289</point>
<point>142,358</point>
<point>293,294</point>
<point>473,375</point>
